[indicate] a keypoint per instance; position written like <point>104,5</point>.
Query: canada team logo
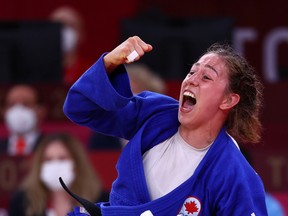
<point>191,207</point>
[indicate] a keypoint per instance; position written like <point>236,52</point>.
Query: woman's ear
<point>230,101</point>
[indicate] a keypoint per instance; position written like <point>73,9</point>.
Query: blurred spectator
<point>141,78</point>
<point>72,39</point>
<point>58,155</point>
<point>23,113</point>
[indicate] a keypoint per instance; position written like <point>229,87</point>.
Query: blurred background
<point>32,51</point>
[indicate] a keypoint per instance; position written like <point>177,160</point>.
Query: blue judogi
<point>223,184</point>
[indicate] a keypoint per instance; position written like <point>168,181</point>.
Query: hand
<point>119,55</point>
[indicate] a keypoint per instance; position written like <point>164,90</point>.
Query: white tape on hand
<point>147,213</point>
<point>132,56</point>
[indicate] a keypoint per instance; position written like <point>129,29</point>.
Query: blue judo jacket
<point>223,184</point>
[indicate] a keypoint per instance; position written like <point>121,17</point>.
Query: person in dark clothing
<point>24,111</point>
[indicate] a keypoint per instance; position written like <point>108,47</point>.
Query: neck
<point>199,137</point>
<point>61,202</point>
<point>59,194</point>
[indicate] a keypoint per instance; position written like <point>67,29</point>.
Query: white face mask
<point>69,39</point>
<point>20,119</point>
<point>52,170</point>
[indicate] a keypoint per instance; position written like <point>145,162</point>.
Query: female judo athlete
<point>182,157</point>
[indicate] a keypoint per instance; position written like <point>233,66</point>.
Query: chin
<point>181,118</point>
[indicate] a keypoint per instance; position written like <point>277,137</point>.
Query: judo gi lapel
<point>154,131</point>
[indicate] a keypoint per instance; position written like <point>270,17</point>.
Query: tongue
<point>188,104</point>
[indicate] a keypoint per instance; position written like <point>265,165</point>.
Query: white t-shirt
<point>169,164</point>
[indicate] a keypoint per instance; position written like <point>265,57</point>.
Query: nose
<point>193,79</point>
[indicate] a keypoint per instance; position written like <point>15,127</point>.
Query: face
<point>68,17</point>
<point>72,28</point>
<point>27,97</point>
<point>57,162</point>
<point>203,91</point>
<point>21,95</point>
<point>56,151</point>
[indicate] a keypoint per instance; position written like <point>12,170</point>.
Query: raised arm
<point>102,98</point>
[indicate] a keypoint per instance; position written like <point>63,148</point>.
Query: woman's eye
<point>191,73</point>
<point>206,77</point>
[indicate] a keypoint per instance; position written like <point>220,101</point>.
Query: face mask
<point>69,39</point>
<point>52,170</point>
<point>20,119</point>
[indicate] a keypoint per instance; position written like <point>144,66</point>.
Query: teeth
<point>189,94</point>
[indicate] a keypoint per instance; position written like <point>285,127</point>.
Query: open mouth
<point>189,100</point>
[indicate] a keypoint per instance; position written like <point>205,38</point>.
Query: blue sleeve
<point>106,103</point>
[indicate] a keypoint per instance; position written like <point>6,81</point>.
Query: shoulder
<point>233,176</point>
<point>231,164</point>
<point>233,182</point>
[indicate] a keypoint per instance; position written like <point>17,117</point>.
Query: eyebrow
<point>208,66</point>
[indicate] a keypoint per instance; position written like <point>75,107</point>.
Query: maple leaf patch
<point>191,207</point>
